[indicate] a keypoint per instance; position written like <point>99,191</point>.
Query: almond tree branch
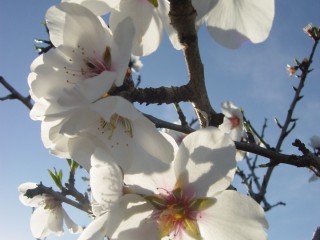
<point>284,130</point>
<point>183,16</point>
<point>15,94</point>
<point>41,189</point>
<point>277,158</point>
<point>316,234</point>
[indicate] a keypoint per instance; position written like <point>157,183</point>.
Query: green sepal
<point>192,229</point>
<point>201,204</point>
<point>157,201</point>
<point>154,3</point>
<point>315,32</point>
<point>177,192</point>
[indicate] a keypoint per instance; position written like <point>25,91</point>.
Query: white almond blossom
<point>189,200</point>
<point>113,121</point>
<point>108,199</point>
<point>232,22</point>
<point>106,182</point>
<point>233,124</point>
<point>233,120</point>
<point>70,85</point>
<point>150,18</point>
<point>85,49</point>
<point>315,142</point>
<point>49,215</point>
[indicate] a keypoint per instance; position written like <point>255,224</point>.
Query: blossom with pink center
<point>88,59</point>
<point>48,216</point>
<point>233,124</point>
<point>71,83</point>
<point>85,48</point>
<point>233,120</point>
<point>189,200</point>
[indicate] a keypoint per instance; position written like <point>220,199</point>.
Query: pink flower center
<point>172,218</point>
<point>90,66</point>
<point>178,211</point>
<point>235,121</point>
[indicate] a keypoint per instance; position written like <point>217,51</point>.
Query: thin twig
<point>41,189</point>
<point>164,124</point>
<point>15,94</point>
<point>288,121</point>
<point>181,115</point>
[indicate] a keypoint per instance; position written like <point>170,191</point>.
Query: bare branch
<point>289,118</point>
<point>41,189</point>
<point>277,158</point>
<point>183,16</point>
<point>181,115</point>
<point>316,234</point>
<point>163,124</point>
<point>15,94</point>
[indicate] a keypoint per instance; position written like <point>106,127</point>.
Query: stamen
<point>115,121</point>
<point>92,66</point>
<point>177,211</point>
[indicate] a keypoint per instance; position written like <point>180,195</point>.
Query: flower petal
<point>105,170</point>
<point>98,7</point>
<point>95,87</point>
<point>147,24</point>
<point>74,25</point>
<point>71,225</point>
<point>145,133</point>
<point>147,175</point>
<point>163,12</point>
<point>207,156</point>
<point>55,220</point>
<point>39,222</point>
<point>31,202</point>
<point>121,48</point>
<point>233,216</point>
<point>108,106</point>
<point>129,220</point>
<point>81,148</point>
<point>231,22</point>
<point>52,139</point>
<point>96,230</point>
<point>46,67</point>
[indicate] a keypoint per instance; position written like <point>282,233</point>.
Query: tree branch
<point>183,16</point>
<point>41,189</point>
<point>15,94</point>
<point>289,119</point>
<point>277,158</point>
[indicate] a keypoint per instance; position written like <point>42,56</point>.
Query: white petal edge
<point>233,216</point>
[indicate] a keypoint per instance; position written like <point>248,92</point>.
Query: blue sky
<point>253,77</point>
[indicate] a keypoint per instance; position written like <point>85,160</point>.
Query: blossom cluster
<point>143,184</point>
